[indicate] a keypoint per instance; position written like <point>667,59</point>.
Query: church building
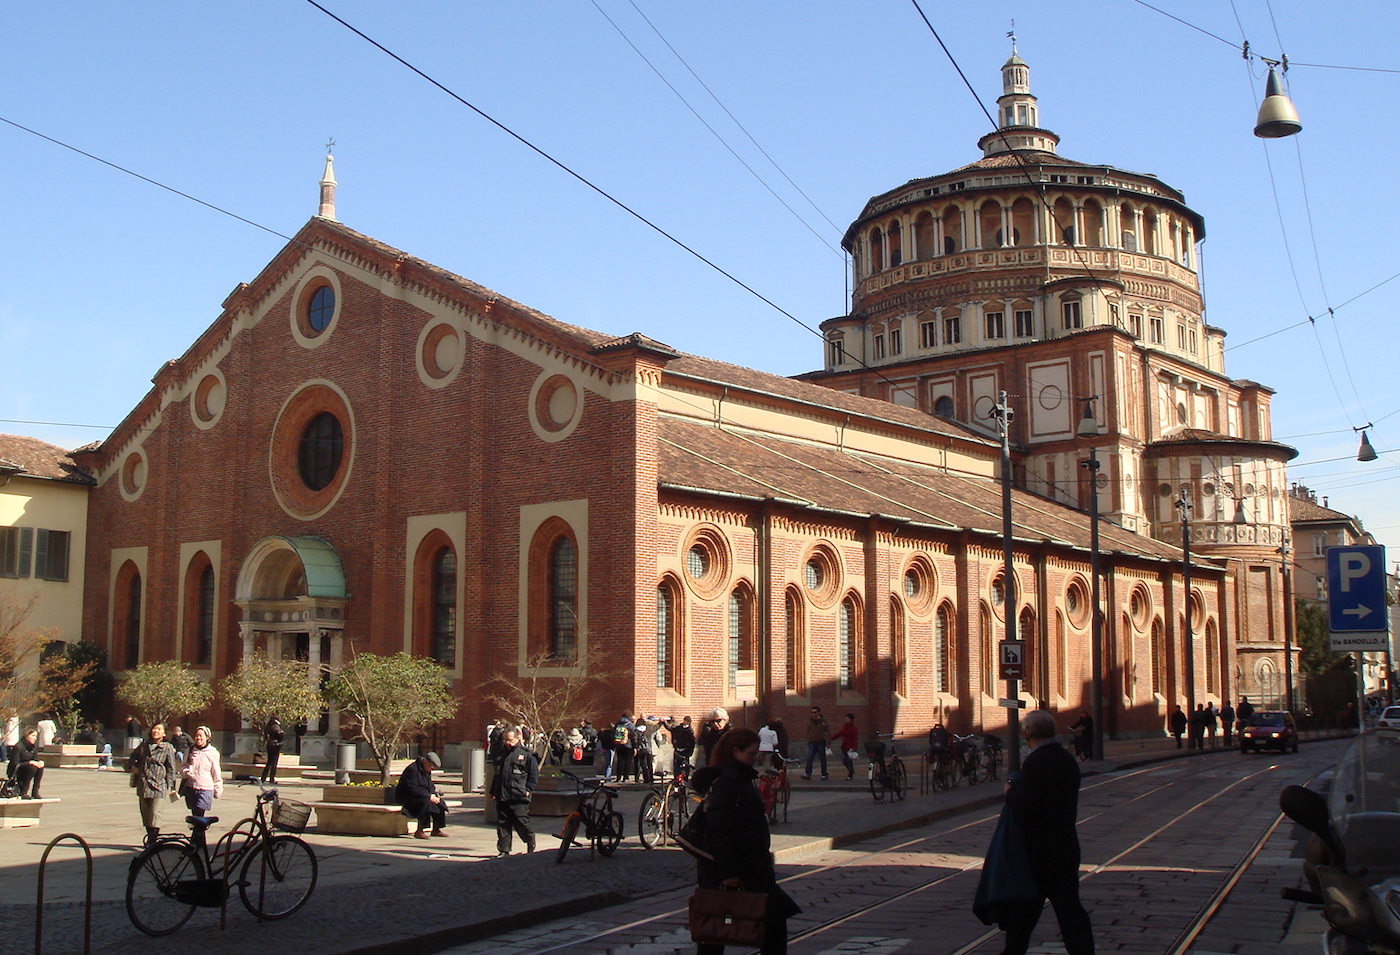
<point>366,452</point>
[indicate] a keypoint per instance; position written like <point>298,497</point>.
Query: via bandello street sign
<point>1356,612</point>
<point>1013,657</point>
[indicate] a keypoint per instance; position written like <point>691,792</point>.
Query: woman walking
<point>736,829</point>
<point>155,775</point>
<point>203,777</point>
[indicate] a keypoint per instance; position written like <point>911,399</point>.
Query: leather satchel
<point>728,917</point>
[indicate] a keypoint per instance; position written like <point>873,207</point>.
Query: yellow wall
<point>60,506</point>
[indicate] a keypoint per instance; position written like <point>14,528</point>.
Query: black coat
<point>683,739</point>
<point>736,827</point>
<point>1045,801</point>
<point>21,753</point>
<point>517,775</point>
<point>415,789</point>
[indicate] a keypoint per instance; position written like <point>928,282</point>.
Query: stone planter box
<point>68,755</point>
<point>365,795</point>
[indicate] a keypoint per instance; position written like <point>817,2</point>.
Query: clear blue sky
<point>103,277</point>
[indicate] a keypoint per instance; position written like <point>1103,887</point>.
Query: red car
<point>1270,729</point>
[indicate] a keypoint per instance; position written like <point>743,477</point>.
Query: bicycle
<point>775,790</point>
<point>966,755</point>
<point>602,825</point>
<point>177,872</point>
<point>885,776</point>
<point>945,768</point>
<point>991,756</point>
<point>664,810</point>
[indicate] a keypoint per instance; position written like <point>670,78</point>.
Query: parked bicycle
<point>885,776</point>
<point>991,756</point>
<point>276,874</point>
<point>664,810</point>
<point>967,758</point>
<point>944,767</point>
<point>775,790</point>
<point>602,825</point>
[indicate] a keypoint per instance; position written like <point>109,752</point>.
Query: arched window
<point>943,406</point>
<point>942,649</point>
<point>204,618</point>
<point>899,644</point>
<point>796,636</point>
<point>1063,214</point>
<point>1212,658</point>
<point>563,599</point>
<point>1061,656</point>
<point>1093,224</point>
<point>988,650</point>
<point>1159,658</point>
<point>989,219</point>
<point>924,248</point>
<point>126,631</point>
<point>740,635</point>
<point>848,645</point>
<point>1028,633</point>
<point>952,230</point>
<point>892,239</point>
<point>1023,230</point>
<point>444,598</point>
<point>667,634</point>
<point>877,250</point>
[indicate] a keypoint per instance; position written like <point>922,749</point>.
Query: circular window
<point>322,445</point>
<point>207,402</point>
<point>1050,397</point>
<point>820,573</point>
<point>707,561</point>
<point>1140,608</point>
<point>943,406</point>
<point>440,354</point>
<point>1207,490</point>
<point>1165,490</point>
<point>311,455</point>
<point>556,407</point>
<point>320,309</point>
<point>919,583</point>
<point>1077,603</point>
<point>133,475</point>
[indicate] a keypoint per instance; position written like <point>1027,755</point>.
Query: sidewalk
<point>384,896</point>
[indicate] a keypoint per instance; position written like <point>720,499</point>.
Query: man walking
<point>817,735</point>
<point>1227,721</point>
<point>850,741</point>
<point>1045,801</point>
<point>1178,724</point>
<point>274,736</point>
<point>517,773</point>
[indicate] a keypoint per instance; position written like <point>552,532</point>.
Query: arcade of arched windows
<point>1022,221</point>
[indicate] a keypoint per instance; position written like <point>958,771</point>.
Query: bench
<point>365,819</point>
<point>21,813</point>
<point>72,755</point>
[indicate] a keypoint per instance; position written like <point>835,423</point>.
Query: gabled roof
<point>39,459</point>
<point>1300,510</point>
<point>695,457</point>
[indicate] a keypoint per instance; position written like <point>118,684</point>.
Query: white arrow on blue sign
<point>1356,589</point>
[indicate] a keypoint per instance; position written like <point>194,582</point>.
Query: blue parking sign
<point>1356,589</point>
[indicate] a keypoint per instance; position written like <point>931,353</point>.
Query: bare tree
<point>32,680</point>
<point>546,703</point>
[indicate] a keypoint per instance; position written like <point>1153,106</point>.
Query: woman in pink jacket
<point>204,781</point>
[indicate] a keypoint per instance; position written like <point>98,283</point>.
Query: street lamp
<point>1089,428</point>
<point>1183,504</point>
<point>1004,415</point>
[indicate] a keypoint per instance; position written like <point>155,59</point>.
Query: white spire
<point>328,186</point>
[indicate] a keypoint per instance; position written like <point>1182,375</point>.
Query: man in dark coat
<point>1227,721</point>
<point>517,774</point>
<point>1178,724</point>
<point>682,745</point>
<point>274,736</point>
<point>420,797</point>
<point>1045,801</point>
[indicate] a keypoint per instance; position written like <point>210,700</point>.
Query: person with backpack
<point>643,752</point>
<point>620,748</point>
<point>682,746</point>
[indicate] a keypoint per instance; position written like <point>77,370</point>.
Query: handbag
<point>728,917</point>
<point>693,838</point>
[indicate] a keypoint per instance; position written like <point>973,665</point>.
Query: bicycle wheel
<point>651,820</point>
<point>898,782</point>
<point>784,795</point>
<point>608,835</point>
<point>994,764</point>
<point>677,813</point>
<point>278,877</point>
<point>943,773</point>
<point>150,887</point>
<point>567,835</point>
<point>877,785</point>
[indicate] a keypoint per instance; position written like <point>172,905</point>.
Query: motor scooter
<point>1353,870</point>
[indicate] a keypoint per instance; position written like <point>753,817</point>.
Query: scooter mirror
<point>1309,810</point>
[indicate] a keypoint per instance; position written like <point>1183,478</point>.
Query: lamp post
<point>1003,413</point>
<point>1088,428</point>
<point>1183,504</point>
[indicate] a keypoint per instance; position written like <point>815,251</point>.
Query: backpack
<point>622,736</point>
<point>693,837</point>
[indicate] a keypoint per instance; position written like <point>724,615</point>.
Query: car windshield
<point>1266,719</point>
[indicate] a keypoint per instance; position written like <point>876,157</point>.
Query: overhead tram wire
<point>705,86</point>
<point>713,132</point>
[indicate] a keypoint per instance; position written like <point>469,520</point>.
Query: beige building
<point>43,534</point>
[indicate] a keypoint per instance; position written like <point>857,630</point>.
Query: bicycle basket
<point>290,815</point>
<point>874,747</point>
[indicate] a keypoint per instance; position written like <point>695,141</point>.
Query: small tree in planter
<point>263,688</point>
<point>159,691</point>
<point>387,699</point>
<point>547,703</point>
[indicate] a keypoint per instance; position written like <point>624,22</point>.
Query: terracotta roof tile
<point>39,459</point>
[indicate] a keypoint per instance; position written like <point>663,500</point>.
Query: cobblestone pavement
<point>386,895</point>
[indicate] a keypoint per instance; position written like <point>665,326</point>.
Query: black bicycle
<point>276,873</point>
<point>664,810</point>
<point>602,825</point>
<point>885,775</point>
